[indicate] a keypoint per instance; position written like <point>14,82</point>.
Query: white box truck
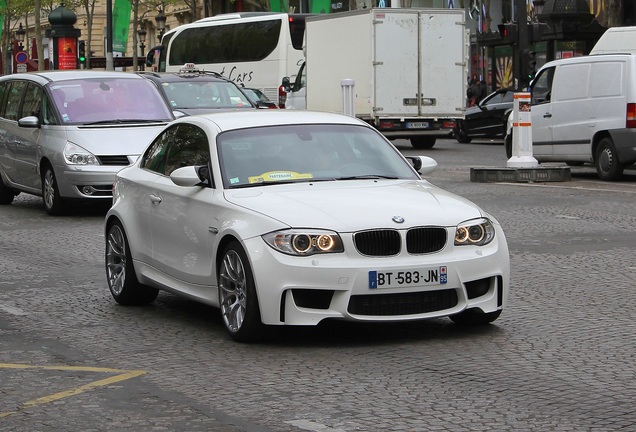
<point>408,67</point>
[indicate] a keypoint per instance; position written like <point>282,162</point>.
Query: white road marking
<point>312,426</point>
<point>12,310</point>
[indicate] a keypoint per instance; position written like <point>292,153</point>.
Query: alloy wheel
<point>233,291</point>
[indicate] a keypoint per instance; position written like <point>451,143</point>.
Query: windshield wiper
<point>275,182</point>
<point>368,177</point>
<point>124,121</point>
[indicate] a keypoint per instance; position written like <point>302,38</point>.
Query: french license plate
<point>407,278</point>
<point>417,125</point>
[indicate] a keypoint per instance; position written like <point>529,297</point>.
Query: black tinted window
<point>155,157</point>
<point>240,42</point>
<point>189,147</point>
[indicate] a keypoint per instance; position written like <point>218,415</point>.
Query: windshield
<point>204,95</point>
<point>295,153</point>
<point>102,100</point>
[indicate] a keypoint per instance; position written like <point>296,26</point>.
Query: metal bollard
<point>348,103</point>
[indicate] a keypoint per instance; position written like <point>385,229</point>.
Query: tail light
<point>631,116</point>
<point>282,97</point>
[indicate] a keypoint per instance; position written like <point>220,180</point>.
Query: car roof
<point>60,75</point>
<point>231,120</point>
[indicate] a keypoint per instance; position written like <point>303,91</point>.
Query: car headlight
<point>477,232</point>
<point>304,242</point>
<point>76,155</point>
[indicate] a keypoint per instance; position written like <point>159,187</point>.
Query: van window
<point>542,86</point>
<point>13,100</point>
<point>606,79</point>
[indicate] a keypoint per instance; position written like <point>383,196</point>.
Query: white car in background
<point>294,217</point>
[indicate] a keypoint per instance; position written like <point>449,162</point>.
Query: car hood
<point>114,139</point>
<point>354,205</point>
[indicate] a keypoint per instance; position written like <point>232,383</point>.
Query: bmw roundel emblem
<point>398,219</point>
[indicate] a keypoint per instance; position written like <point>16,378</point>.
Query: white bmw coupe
<point>292,218</point>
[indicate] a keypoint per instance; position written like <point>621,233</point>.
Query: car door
<point>490,120</point>
<point>541,113</point>
<point>182,218</point>
<point>28,144</point>
<point>12,141</point>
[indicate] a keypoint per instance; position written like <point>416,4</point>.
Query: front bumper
<point>307,290</point>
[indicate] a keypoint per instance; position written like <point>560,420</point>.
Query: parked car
<point>64,134</point>
<point>193,91</point>
<point>487,119</point>
<point>292,217</point>
<point>258,98</point>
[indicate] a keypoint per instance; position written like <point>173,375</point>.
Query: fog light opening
<point>88,190</point>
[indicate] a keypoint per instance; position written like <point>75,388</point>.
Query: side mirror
<point>29,122</point>
<point>422,164</point>
<point>286,84</point>
<point>190,176</point>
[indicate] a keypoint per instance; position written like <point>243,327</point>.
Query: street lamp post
<point>161,23</point>
<point>142,45</point>
<point>19,35</point>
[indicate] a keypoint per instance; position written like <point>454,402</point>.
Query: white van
<point>616,40</point>
<point>584,111</point>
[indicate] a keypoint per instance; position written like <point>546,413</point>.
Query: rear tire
<point>423,143</point>
<point>606,161</point>
<point>6,194</point>
<point>53,203</point>
<point>474,317</point>
<point>120,272</point>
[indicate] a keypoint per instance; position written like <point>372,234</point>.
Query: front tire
<point>237,295</point>
<point>474,317</point>
<point>423,143</point>
<point>508,145</point>
<point>606,161</point>
<point>120,272</point>
<point>53,203</point>
<point>460,134</point>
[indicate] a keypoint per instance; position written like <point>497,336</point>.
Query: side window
<point>32,105</point>
<point>13,100</point>
<point>155,157</point>
<point>190,147</point>
<point>4,86</point>
<point>542,86</point>
<point>48,116</point>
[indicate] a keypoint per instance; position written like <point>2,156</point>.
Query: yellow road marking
<point>122,375</point>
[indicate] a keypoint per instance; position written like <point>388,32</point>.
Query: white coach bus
<point>255,49</point>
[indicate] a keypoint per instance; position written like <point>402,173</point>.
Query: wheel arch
<point>596,139</point>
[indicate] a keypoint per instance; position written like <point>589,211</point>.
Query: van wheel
<point>53,203</point>
<point>423,143</point>
<point>6,194</point>
<point>508,145</point>
<point>607,165</point>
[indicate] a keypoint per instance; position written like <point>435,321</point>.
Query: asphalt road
<point>560,358</point>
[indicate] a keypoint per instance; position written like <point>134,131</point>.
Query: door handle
<point>155,199</point>
<point>547,115</point>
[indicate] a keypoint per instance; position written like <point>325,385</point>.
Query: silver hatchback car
<point>65,134</point>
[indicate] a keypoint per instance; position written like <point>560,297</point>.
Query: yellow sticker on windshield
<point>273,176</point>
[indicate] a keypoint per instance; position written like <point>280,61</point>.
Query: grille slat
<point>402,303</point>
<point>114,160</point>
<point>388,242</point>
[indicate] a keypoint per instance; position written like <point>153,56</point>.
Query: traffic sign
<point>21,57</point>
